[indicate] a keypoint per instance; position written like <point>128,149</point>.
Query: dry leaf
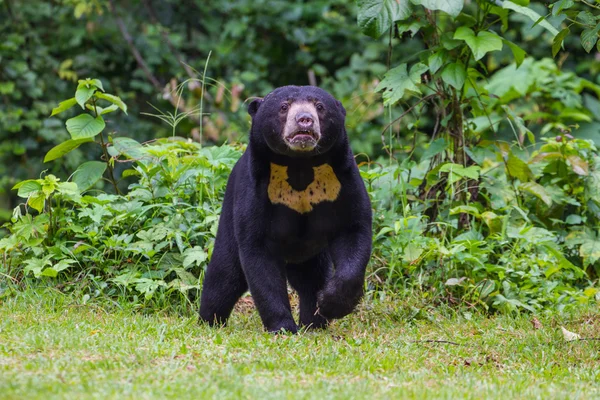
<point>569,336</point>
<point>536,323</point>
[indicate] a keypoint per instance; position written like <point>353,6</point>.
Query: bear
<point>295,210</point>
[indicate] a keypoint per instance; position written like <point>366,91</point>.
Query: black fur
<point>260,246</point>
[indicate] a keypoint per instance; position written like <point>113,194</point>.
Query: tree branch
<point>136,54</point>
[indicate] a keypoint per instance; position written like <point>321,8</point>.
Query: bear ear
<point>341,107</point>
<point>253,107</point>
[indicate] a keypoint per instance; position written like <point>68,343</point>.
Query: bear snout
<point>302,129</point>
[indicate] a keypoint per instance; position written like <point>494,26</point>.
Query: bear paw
<point>335,301</point>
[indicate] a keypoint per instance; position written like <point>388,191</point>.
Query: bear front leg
<point>268,286</point>
<point>224,282</point>
<point>350,253</point>
<point>308,278</point>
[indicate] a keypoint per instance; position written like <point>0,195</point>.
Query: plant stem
<point>202,94</point>
<point>106,155</point>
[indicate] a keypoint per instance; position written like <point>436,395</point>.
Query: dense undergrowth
<point>526,243</point>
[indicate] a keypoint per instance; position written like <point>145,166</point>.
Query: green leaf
<point>517,168</point>
<point>590,251</point>
<point>108,109</point>
<point>128,147</point>
<point>64,148</point>
<point>532,15</point>
<point>435,147</point>
<point>454,75</point>
<point>98,84</point>
<point>37,201</point>
<point>561,5</point>
<point>518,53</point>
<point>412,25</point>
<point>481,44</point>
<point>587,18</point>
<point>437,60</point>
<point>589,37</point>
<point>113,99</point>
<point>451,7</point>
<point>83,95</point>
<point>537,190</point>
<point>466,210</point>
<point>88,174</point>
<point>558,41</point>
<point>375,17</point>
<point>85,126</point>
<point>63,106</point>
<point>518,121</point>
<point>412,253</point>
<point>27,187</point>
<point>397,81</point>
<point>195,255</point>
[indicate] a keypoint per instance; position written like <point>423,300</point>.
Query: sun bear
<point>295,210</point>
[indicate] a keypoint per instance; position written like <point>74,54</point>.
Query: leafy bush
<point>525,243</point>
<point>158,235</point>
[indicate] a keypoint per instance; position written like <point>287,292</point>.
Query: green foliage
<point>155,238</point>
<point>483,217</point>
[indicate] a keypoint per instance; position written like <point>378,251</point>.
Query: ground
<point>53,346</point>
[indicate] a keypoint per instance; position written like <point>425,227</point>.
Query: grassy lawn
<point>51,346</point>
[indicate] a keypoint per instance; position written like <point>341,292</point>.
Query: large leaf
<point>589,37</point>
<point>579,165</point>
<point>532,15</point>
<point>518,53</point>
<point>590,251</point>
<point>452,7</point>
<point>88,174</point>
<point>454,75</point>
<point>128,147</point>
<point>558,41</point>
<point>397,81</point>
<point>481,44</point>
<point>538,191</point>
<point>85,126</point>
<point>375,17</point>
<point>25,188</point>
<point>83,94</point>
<point>64,106</point>
<point>517,168</point>
<point>195,255</point>
<point>435,147</point>
<point>113,99</point>
<point>437,60</point>
<point>65,147</point>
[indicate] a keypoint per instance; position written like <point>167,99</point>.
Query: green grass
<point>51,346</point>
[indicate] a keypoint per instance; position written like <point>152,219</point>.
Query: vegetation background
<point>475,123</point>
<point>476,126</point>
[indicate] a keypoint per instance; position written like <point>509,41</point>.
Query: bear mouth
<point>303,140</point>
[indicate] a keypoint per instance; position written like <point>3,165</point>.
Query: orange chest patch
<point>324,187</point>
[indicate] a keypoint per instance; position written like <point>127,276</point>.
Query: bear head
<point>298,121</point>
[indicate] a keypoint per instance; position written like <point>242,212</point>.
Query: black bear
<point>295,209</point>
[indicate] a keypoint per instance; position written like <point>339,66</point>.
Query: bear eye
<point>320,107</point>
<point>285,107</point>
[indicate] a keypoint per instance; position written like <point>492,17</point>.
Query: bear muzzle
<point>302,129</point>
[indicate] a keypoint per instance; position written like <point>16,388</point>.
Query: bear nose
<point>304,120</point>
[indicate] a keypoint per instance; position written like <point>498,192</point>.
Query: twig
<point>407,111</point>
<point>165,36</point>
<point>436,341</point>
<point>136,54</point>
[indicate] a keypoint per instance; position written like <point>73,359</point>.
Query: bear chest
<point>306,188</point>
